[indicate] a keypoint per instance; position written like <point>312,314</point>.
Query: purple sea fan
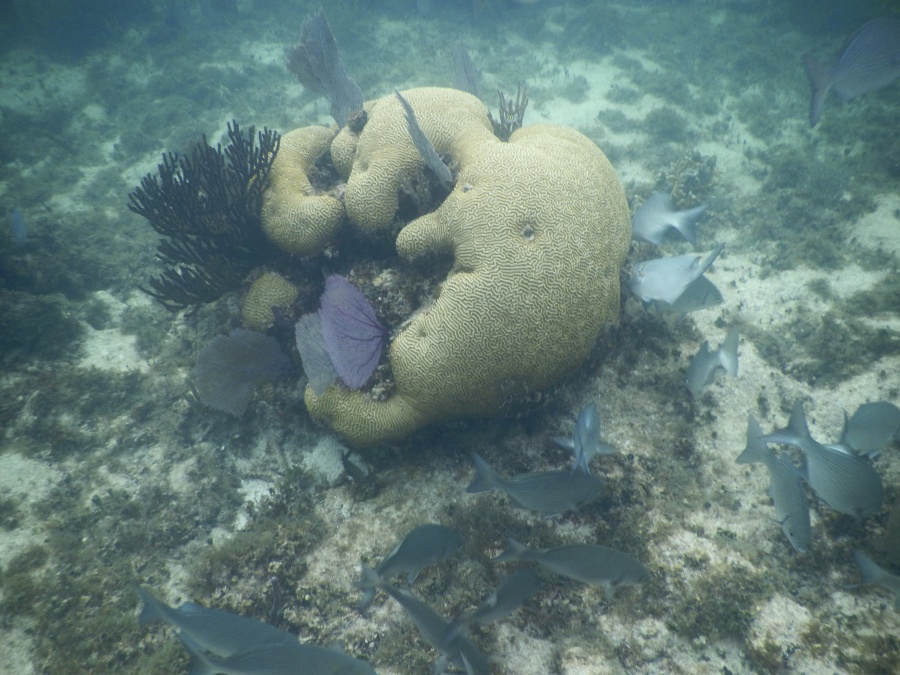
<point>316,363</point>
<point>231,366</point>
<point>352,333</point>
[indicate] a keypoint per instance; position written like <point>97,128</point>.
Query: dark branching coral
<point>511,113</point>
<point>207,206</point>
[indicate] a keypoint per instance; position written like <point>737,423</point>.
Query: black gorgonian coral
<point>207,206</point>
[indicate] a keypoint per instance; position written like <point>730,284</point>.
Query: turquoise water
<point>113,474</point>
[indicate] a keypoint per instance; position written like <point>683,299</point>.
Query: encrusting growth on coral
<point>207,206</point>
<point>512,113</point>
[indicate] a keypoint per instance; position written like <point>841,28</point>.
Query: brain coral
<point>269,290</point>
<point>538,227</point>
<point>384,155</point>
<point>296,219</point>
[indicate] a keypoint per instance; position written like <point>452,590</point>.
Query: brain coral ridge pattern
<point>294,218</point>
<point>539,228</point>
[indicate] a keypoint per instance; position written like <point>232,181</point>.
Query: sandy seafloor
<point>111,476</point>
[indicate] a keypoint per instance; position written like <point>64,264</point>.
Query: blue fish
<point>665,279</point>
<point>785,489</point>
<point>423,546</point>
<point>656,216</point>
<point>213,630</point>
<point>707,363</point>
<point>701,293</point>
<point>871,427</point>
<point>275,659</point>
<point>222,642</point>
<point>847,482</point>
<point>585,441</point>
<point>587,563</point>
<point>434,628</point>
<point>874,575</point>
<point>869,60</point>
<point>547,492</point>
<point>515,590</point>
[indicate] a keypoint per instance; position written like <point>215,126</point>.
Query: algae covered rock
<point>538,227</point>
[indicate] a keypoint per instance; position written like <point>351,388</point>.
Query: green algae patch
<point>719,604</point>
<point>824,349</point>
<point>263,565</point>
<point>882,298</point>
<point>46,407</point>
<point>10,513</point>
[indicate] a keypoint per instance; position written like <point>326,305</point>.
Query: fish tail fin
<point>868,568</point>
<point>609,591</point>
<point>367,598</point>
<point>565,442</point>
<point>820,80</point>
<point>686,222</point>
<point>153,609</point>
<point>201,662</point>
<point>368,582</point>
<point>728,352</point>
<point>485,477</point>
<point>795,433</point>
<point>707,262</point>
<point>797,423</point>
<point>514,552</point>
<point>453,629</point>
<point>581,462</point>
<point>369,578</point>
<point>756,450</point>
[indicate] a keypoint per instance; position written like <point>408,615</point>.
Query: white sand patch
<point>109,349</point>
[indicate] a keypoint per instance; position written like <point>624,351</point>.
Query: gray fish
<point>657,215</point>
<point>275,659</point>
<point>588,563</point>
<point>785,489</point>
<point>707,363</point>
<point>872,427</point>
<point>701,293</point>
<point>665,279</point>
<point>506,599</point>
<point>874,575</point>
<point>585,441</point>
<point>433,627</point>
<point>213,630</point>
<point>423,546</point>
<point>547,492</point>
<point>869,60</point>
<point>845,481</point>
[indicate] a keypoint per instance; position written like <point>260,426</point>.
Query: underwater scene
<point>511,337</point>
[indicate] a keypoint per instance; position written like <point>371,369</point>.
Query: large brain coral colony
<point>538,228</point>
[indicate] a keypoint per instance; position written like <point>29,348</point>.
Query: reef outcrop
<point>538,228</point>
